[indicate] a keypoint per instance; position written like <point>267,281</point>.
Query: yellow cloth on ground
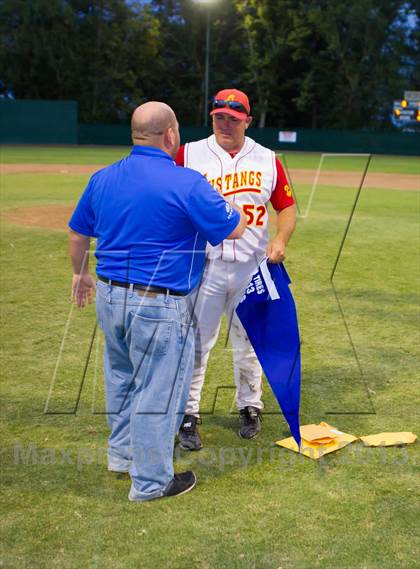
<point>318,440</point>
<point>389,439</point>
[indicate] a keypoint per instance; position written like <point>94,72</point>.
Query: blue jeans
<point>148,362</point>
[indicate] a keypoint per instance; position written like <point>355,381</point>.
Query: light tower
<point>207,3</point>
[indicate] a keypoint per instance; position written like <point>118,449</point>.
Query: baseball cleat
<point>188,436</point>
<point>250,421</point>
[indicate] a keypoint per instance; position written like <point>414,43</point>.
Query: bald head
<point>155,124</point>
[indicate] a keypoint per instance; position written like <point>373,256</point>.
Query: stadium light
<point>207,3</point>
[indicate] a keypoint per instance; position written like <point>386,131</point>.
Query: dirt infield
<point>51,168</point>
<point>57,216</point>
<point>352,179</point>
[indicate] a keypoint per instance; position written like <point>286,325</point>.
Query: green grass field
<point>108,154</point>
<point>256,505</point>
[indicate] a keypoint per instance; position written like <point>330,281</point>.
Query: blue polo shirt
<point>152,220</point>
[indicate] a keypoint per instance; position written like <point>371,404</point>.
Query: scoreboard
<point>406,112</point>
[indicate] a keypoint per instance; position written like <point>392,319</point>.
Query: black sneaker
<point>180,484</point>
<point>250,420</point>
<point>189,437</point>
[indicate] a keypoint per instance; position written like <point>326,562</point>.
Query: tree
<point>37,47</point>
<point>303,63</point>
<point>104,54</point>
<point>355,61</point>
<point>269,26</point>
<point>183,31</point>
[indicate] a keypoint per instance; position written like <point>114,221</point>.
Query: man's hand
<point>276,250</point>
<point>82,289</point>
<point>286,223</point>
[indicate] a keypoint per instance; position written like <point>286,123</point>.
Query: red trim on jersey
<point>180,156</point>
<point>282,195</point>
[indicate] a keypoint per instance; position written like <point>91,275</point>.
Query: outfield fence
<point>56,122</point>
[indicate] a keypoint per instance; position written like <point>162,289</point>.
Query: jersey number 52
<point>254,214</point>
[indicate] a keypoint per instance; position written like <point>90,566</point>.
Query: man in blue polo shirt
<point>151,221</point>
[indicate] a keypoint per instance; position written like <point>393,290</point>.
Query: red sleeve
<point>180,157</point>
<point>282,196</point>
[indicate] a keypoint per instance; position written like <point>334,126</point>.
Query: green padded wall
<point>55,122</point>
<point>342,141</point>
<point>307,140</point>
<point>38,122</point>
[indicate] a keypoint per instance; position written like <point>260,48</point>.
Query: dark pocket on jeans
<point>151,336</point>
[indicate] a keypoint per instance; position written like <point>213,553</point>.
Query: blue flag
<point>268,314</point>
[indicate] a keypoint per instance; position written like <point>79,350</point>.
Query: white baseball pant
<point>222,287</point>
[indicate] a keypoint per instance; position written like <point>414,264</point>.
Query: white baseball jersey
<point>248,179</point>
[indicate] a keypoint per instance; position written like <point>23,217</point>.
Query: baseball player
<point>250,175</point>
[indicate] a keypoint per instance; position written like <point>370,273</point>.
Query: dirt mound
<point>49,216</point>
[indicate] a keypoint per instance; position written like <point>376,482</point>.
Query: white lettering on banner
<point>259,284</point>
<point>272,290</point>
<point>256,284</point>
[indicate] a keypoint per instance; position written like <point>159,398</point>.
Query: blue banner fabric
<point>268,314</point>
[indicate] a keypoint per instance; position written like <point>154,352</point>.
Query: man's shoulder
<point>257,148</point>
<point>198,143</point>
<point>106,171</point>
<point>199,152</point>
<point>188,175</point>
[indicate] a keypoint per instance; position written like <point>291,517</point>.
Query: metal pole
<point>206,72</point>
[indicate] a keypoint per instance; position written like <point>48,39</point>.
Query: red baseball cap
<point>233,97</point>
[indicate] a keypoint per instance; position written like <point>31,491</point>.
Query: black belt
<point>137,286</point>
